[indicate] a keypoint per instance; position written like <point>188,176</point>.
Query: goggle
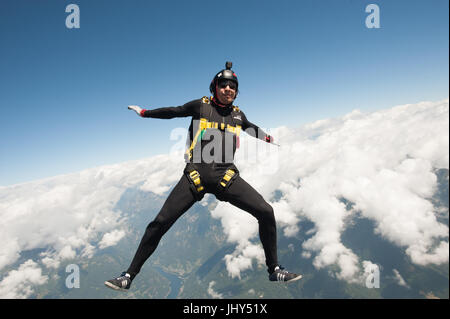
<point>224,83</point>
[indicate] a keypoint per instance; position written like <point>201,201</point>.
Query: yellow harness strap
<point>204,124</point>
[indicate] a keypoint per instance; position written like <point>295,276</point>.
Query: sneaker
<point>280,274</point>
<point>122,282</point>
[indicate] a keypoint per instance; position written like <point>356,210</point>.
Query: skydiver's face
<point>226,92</point>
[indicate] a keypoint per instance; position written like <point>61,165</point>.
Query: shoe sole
<point>289,281</point>
<point>110,285</point>
<point>295,279</point>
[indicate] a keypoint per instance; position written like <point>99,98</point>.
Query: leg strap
<point>196,183</point>
<point>195,178</point>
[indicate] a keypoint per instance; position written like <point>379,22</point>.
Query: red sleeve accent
<point>142,112</point>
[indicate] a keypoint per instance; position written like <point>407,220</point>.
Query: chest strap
<point>204,125</point>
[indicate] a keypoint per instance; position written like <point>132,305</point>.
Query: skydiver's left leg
<point>242,195</point>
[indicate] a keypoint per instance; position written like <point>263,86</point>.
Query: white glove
<point>135,108</point>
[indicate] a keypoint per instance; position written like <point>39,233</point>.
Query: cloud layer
<point>382,163</point>
<point>74,215</point>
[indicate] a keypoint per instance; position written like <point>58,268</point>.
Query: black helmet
<point>226,74</point>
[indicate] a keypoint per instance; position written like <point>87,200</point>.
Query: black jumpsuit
<point>211,163</point>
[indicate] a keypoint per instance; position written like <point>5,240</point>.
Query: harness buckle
<point>227,178</point>
<point>195,178</point>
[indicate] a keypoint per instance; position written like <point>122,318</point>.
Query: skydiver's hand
<point>135,108</point>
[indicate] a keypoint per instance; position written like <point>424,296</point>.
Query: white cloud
<point>399,279</point>
<point>213,293</point>
<point>238,225</point>
<point>19,283</point>
<point>242,258</point>
<point>111,238</point>
<point>10,249</point>
<point>50,260</point>
<point>286,218</point>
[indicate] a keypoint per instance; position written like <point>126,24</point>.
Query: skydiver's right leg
<point>179,201</point>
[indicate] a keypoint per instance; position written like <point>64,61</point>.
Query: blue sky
<point>64,92</point>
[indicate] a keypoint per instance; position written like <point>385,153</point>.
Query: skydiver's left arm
<point>254,130</point>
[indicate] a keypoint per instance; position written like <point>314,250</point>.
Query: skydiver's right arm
<point>189,109</point>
